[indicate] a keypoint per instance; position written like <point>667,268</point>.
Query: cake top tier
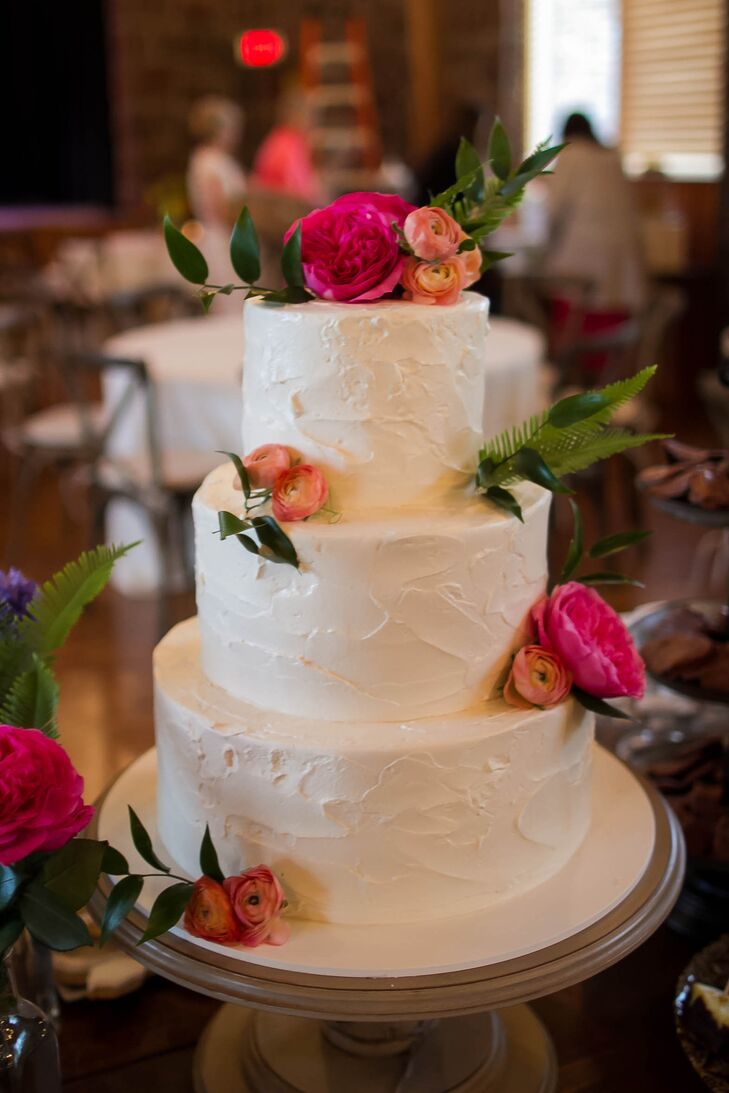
<point>386,398</point>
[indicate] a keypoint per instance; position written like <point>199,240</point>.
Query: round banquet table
<point>196,367</point>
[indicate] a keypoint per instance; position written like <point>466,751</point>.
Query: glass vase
<point>29,1061</point>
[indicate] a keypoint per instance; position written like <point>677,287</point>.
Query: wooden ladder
<point>337,76</point>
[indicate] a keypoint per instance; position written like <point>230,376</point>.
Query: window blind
<point>672,85</point>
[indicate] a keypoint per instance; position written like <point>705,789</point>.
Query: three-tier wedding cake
<point>341,721</point>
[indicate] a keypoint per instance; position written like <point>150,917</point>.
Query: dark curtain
<point>56,146</point>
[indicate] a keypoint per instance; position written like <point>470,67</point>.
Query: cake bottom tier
<point>369,822</point>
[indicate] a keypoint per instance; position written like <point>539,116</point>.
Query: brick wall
<point>164,54</point>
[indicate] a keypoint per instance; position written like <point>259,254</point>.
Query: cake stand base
<point>242,1051</point>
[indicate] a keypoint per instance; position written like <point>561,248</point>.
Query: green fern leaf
<point>607,442</point>
<point>58,605</point>
<point>32,699</point>
<point>15,658</point>
<point>508,443</point>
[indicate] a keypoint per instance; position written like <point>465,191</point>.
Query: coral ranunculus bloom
<point>537,678</point>
<point>299,492</point>
<point>209,914</point>
<point>258,900</point>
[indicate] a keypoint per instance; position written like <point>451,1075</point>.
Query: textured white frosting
<point>387,398</point>
<point>388,617</point>
<point>369,822</point>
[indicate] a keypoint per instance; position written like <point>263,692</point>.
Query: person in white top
<point>216,184</point>
<point>594,233</point>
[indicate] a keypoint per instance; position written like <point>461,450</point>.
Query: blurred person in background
<point>284,162</point>
<point>216,183</point>
<point>594,236</point>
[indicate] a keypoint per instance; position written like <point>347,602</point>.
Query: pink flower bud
<point>265,464</point>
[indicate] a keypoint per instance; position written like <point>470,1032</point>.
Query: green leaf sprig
<point>261,535</point>
<point>570,436</point>
<point>480,204</point>
<point>603,548</point>
<point>245,257</point>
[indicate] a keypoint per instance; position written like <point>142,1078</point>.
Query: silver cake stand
<point>288,1030</point>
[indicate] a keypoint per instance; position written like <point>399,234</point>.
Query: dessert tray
<point>380,992</point>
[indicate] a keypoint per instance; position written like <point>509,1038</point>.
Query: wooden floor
<point>613,1034</point>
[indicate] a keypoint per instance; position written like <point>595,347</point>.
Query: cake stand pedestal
<point>326,1014</point>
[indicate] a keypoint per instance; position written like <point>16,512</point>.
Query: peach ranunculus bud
<point>299,492</point>
<point>258,900</point>
<point>266,464</point>
<point>432,233</point>
<point>471,262</point>
<point>537,678</point>
<point>209,914</point>
<point>433,283</point>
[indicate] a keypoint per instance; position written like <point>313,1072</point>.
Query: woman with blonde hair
<point>216,182</point>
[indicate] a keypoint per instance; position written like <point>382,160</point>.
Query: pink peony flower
<point>299,492</point>
<point>537,678</point>
<point>590,640</point>
<point>257,899</point>
<point>433,283</point>
<point>432,233</point>
<point>209,913</point>
<point>265,464</point>
<point>349,249</point>
<point>41,795</point>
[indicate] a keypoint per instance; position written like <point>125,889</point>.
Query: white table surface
<point>196,365</point>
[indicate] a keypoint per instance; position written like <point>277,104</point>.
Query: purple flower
<point>16,591</point>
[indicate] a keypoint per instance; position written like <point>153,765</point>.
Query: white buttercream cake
<point>341,722</point>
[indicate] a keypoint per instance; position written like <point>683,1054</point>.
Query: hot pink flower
<point>537,678</point>
<point>432,233</point>
<point>349,249</point>
<point>41,795</point>
<point>590,640</point>
<point>433,283</point>
<point>265,464</point>
<point>258,899</point>
<point>209,914</point>
<point>299,492</point>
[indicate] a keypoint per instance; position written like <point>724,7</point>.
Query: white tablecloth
<point>196,365</point>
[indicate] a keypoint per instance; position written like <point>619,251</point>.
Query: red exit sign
<point>261,48</point>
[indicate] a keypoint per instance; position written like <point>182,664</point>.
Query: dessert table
<point>196,366</point>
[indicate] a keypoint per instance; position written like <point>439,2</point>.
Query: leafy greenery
<point>28,689</point>
<point>61,600</point>
<point>272,541</point>
<point>31,700</point>
<point>611,544</point>
<point>143,842</point>
<point>245,258</point>
<point>185,256</point>
<point>598,705</point>
<point>481,204</point>
<point>122,898</point>
<point>570,436</point>
<point>209,864</point>
<point>167,909</point>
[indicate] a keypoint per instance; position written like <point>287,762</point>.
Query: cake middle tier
<point>391,617</point>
